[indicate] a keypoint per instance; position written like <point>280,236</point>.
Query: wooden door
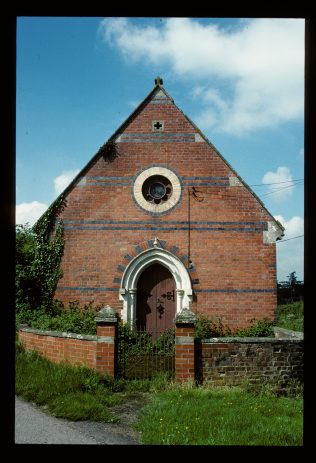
<point>156,299</point>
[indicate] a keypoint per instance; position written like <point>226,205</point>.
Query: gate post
<point>185,352</point>
<point>106,320</point>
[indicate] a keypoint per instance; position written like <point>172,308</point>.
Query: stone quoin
<point>165,224</point>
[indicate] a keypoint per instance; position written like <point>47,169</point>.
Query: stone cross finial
<point>158,81</point>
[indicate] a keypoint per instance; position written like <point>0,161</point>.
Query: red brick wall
<point>60,349</point>
<point>105,353</point>
<point>185,352</point>
<point>235,272</point>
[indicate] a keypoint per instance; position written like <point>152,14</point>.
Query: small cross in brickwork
<point>158,125</point>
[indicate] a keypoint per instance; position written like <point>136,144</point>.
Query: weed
<point>291,316</point>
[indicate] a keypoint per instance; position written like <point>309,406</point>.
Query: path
<point>33,426</point>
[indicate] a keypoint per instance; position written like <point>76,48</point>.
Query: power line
<point>294,237</point>
<point>295,182</point>
<point>277,183</point>
<point>278,189</point>
<point>273,190</point>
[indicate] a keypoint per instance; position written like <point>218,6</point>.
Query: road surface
<point>33,426</point>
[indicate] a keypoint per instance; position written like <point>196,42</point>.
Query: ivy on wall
<point>38,255</point>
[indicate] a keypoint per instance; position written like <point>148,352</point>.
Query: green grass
<point>222,416</point>
<point>176,414</point>
<point>74,393</point>
<point>291,316</point>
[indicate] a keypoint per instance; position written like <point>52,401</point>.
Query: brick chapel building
<point>159,221</point>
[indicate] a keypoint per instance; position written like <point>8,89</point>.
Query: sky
<point>240,80</point>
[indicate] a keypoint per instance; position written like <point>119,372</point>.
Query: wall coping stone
<point>282,333</point>
<point>249,340</point>
<point>58,334</point>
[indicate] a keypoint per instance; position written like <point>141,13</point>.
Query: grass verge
<point>175,414</point>
<point>291,316</point>
<point>221,416</point>
<point>73,392</point>
<point>65,391</point>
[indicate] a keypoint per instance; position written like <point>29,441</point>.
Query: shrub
<point>206,327</point>
<point>132,342</point>
<point>58,318</point>
<point>259,328</point>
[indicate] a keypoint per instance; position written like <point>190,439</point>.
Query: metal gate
<point>144,354</point>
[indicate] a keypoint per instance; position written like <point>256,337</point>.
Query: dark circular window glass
<point>157,189</point>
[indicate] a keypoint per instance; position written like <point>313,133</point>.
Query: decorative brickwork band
<point>106,320</point>
<point>185,348</point>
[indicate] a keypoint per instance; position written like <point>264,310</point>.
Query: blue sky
<point>240,80</point>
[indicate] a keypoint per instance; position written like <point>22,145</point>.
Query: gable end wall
<point>223,229</point>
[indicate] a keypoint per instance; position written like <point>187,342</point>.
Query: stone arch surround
<point>139,263</point>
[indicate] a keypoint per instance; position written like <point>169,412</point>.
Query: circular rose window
<point>157,189</point>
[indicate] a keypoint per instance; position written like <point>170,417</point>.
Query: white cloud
<point>29,212</point>
<point>290,254</point>
<point>280,183</point>
<point>62,181</point>
<point>293,227</point>
<point>260,62</point>
<point>301,153</point>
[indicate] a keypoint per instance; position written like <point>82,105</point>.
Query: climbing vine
<point>40,250</point>
<point>109,151</point>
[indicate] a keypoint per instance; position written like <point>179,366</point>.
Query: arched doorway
<point>155,299</point>
<point>136,268</point>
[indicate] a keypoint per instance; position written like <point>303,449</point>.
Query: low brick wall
<point>217,361</point>
<point>61,347</point>
<point>231,361</point>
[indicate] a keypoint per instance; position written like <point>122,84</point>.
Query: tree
<point>37,261</point>
<point>290,290</point>
<point>26,281</point>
